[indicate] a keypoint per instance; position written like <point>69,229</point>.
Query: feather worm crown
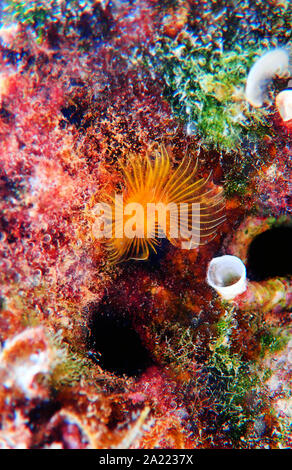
<point>193,209</point>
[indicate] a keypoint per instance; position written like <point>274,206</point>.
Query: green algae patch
<point>174,347</point>
<point>205,66</point>
<point>273,340</point>
<point>32,14</point>
<point>233,383</point>
<point>68,18</point>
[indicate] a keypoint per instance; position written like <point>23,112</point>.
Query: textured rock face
<point>143,354</point>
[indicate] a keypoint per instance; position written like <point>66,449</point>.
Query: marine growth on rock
<point>111,334</point>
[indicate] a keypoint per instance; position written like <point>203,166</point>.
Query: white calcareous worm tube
<point>227,275</point>
<point>274,62</point>
<point>284,104</point>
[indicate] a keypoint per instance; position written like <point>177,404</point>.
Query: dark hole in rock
<point>6,115</point>
<point>153,262</point>
<point>42,413</point>
<point>52,34</point>
<point>270,254</point>
<point>116,343</point>
<point>84,26</point>
<point>74,114</point>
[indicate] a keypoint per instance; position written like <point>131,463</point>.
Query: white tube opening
<point>284,104</point>
<point>227,275</point>
<point>274,62</point>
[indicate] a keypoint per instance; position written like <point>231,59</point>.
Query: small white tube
<point>274,62</point>
<point>284,104</point>
<point>227,275</point>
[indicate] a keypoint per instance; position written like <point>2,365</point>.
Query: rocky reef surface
<point>141,354</point>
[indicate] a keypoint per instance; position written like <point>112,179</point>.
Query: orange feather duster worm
<point>191,209</point>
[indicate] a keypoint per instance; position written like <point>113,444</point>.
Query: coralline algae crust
<point>143,354</point>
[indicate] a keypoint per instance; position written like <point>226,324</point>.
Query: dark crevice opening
<point>153,262</point>
<point>115,342</point>
<point>42,413</point>
<point>270,254</point>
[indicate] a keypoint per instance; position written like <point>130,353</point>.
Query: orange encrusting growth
<point>154,180</point>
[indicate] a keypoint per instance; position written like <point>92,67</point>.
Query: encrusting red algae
<point>143,353</point>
